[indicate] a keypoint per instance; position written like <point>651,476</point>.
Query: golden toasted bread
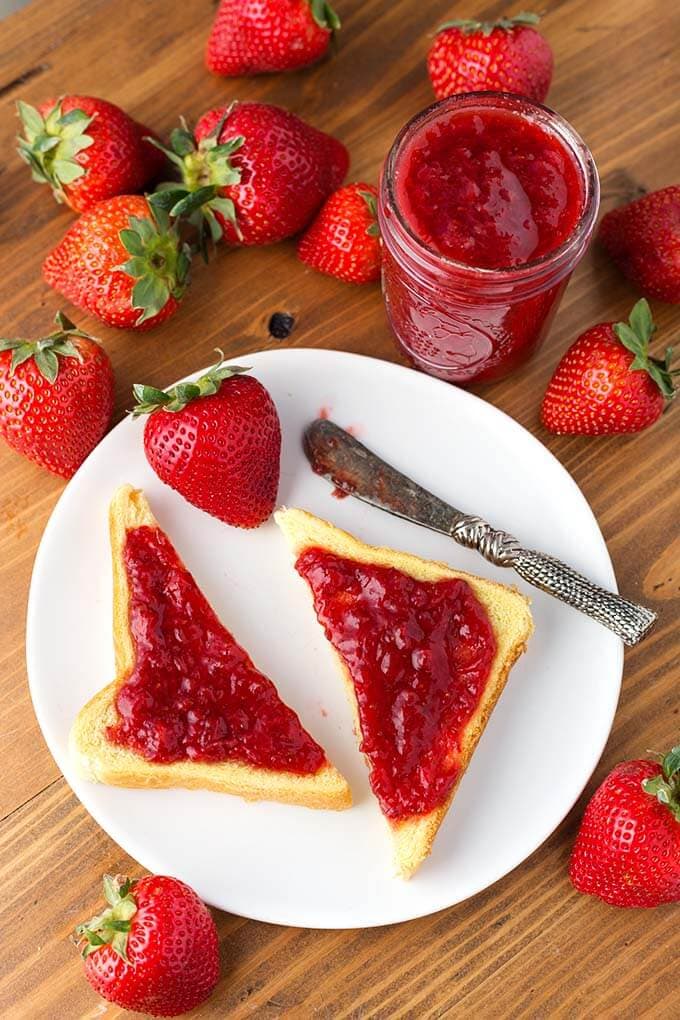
<point>508,613</point>
<point>98,758</point>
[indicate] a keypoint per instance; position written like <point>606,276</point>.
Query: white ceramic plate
<point>324,869</point>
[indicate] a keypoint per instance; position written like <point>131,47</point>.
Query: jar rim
<point>560,257</point>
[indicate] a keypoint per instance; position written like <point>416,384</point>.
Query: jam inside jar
<point>487,203</point>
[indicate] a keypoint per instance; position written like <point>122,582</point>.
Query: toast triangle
<point>100,760</point>
<point>508,612</point>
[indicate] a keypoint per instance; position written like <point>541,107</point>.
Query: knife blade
<point>350,466</point>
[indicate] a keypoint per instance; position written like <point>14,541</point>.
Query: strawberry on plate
<point>627,850</point>
<point>153,949</point>
<point>643,239</point>
<point>508,55</point>
<point>86,149</point>
<point>252,173</point>
<point>122,261</point>
<point>608,382</point>
<point>56,396</point>
<point>256,36</point>
<point>216,441</point>
<point>344,239</point>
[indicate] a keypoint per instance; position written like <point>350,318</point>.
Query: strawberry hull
<point>114,158</point>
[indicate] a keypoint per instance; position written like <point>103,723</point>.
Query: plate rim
<point>145,856</point>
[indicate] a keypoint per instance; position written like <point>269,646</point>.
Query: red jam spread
<point>419,654</point>
<point>193,692</point>
<point>490,188</point>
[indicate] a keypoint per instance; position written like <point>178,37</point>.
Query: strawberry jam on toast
<point>425,651</point>
<point>188,707</point>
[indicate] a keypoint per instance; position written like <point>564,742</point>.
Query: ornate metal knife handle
<point>627,619</point>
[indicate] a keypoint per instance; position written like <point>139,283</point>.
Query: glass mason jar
<point>453,320</point>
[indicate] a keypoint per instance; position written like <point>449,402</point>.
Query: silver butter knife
<point>352,467</point>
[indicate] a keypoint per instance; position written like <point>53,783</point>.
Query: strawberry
<point>153,949</point>
<point>254,36</point>
<point>216,441</point>
<point>643,239</point>
<point>344,239</point>
<point>508,55</point>
<point>123,262</point>
<point>86,149</point>
<point>608,382</point>
<point>56,396</point>
<point>627,850</point>
<point>254,173</point>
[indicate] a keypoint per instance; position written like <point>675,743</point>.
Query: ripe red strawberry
<point>254,36</point>
<point>508,55</point>
<point>56,396</point>
<point>255,173</point>
<point>643,239</point>
<point>627,850</point>
<point>608,382</point>
<point>86,149</point>
<point>123,262</point>
<point>344,239</point>
<point>217,441</point>
<point>153,949</point>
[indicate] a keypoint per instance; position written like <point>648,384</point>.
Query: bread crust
<point>510,617</point>
<point>97,759</point>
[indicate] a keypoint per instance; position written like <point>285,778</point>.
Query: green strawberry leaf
<point>66,171</point>
<point>47,362</point>
<point>149,294</point>
<point>324,15</point>
<point>149,394</point>
<point>21,354</point>
<point>73,122</point>
<point>666,786</point>
<point>167,198</point>
<point>144,227</point>
<point>65,324</point>
<point>45,142</point>
<point>635,336</point>
<point>175,399</point>
<point>671,763</point>
<point>132,242</point>
<point>33,123</point>
<point>182,141</point>
<point>193,200</point>
<point>136,266</point>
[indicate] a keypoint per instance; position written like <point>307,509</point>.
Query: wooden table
<point>529,946</point>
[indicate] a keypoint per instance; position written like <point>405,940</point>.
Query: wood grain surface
<point>529,946</point>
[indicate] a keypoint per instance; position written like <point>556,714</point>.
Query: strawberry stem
<point>205,168</point>
<point>176,398</point>
<point>47,350</point>
<point>666,786</point>
<point>635,336</point>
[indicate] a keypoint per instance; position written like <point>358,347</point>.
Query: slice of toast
<point>100,759</point>
<point>508,614</point>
